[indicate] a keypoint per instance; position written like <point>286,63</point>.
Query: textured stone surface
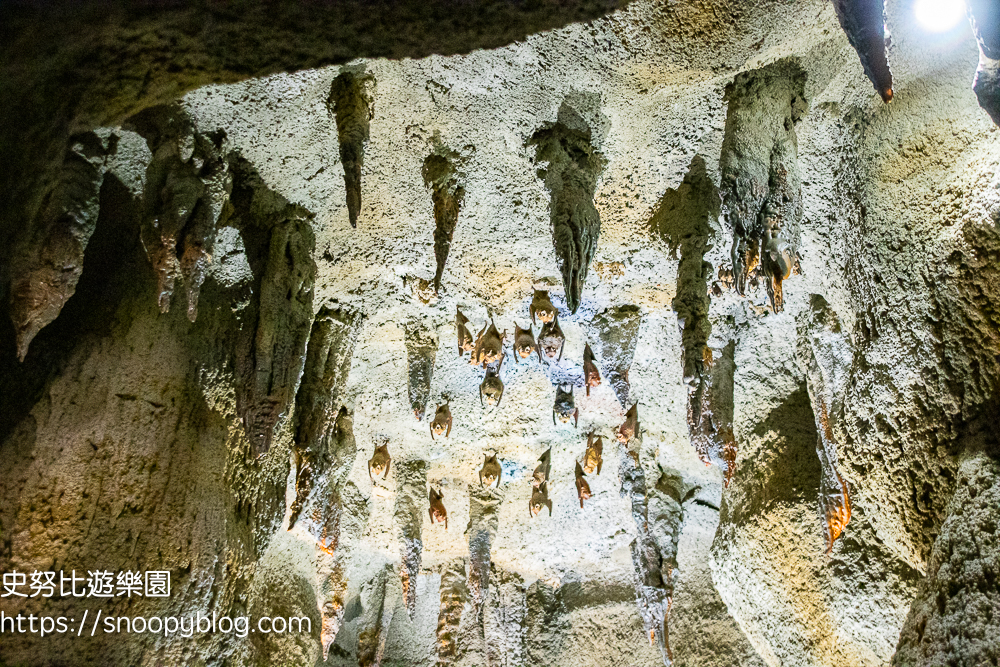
<point>952,620</point>
<point>130,436</point>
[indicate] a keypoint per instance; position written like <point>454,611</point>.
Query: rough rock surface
<point>951,621</point>
<point>229,444</point>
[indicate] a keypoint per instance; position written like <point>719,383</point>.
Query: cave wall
<point>216,446</point>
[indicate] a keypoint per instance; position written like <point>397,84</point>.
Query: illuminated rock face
<point>228,303</point>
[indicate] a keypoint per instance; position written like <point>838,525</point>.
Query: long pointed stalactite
<point>323,518</point>
<point>665,521</point>
<point>376,617</point>
<point>684,220</point>
<point>710,412</point>
<point>421,351</point>
<point>350,103</point>
<point>409,513</point>
<point>186,198</point>
<point>272,349</point>
<point>483,522</point>
<point>318,478</point>
<point>454,594</point>
<point>653,586</point>
<point>545,622</point>
<point>445,181</point>
<point>570,166</point>
<point>617,331</point>
<point>317,418</point>
<point>505,619</point>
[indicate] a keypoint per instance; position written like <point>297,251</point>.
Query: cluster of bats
<point>593,459</point>
<point>487,350</point>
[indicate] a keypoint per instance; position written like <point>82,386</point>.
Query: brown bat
<point>565,407</point>
<point>630,427</point>
<point>582,488</point>
<point>776,260</point>
<point>524,343</point>
<point>776,249</point>
<point>490,472</point>
<point>591,376</point>
<point>437,511</point>
<point>492,386</point>
<point>541,474</point>
<point>539,498</point>
<point>489,345</point>
<point>542,306</point>
<point>593,459</point>
<point>442,421</point>
<point>379,462</point>
<point>465,342</point>
<point>551,339</point>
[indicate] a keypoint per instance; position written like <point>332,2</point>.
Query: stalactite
<point>546,626</point>
<point>684,220</point>
<point>658,515</point>
<point>411,485</point>
<point>505,619</point>
<point>824,354</point>
<point>651,593</point>
<point>376,617</point>
<point>328,361</point>
<point>570,167</point>
<point>350,103</point>
<point>834,494</point>
<point>864,23</point>
<point>186,196</point>
<point>48,265</point>
<point>421,351</point>
<point>318,481</point>
<point>615,333</point>
<point>445,180</point>
<point>198,241</point>
<point>272,353</point>
<point>761,190</point>
<point>483,522</point>
<point>710,412</point>
<point>453,596</point>
<point>323,517</point>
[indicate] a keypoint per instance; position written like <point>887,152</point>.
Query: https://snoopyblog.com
<point>107,585</point>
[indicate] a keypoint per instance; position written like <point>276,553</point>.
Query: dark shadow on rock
<point>116,275</point>
<point>786,469</point>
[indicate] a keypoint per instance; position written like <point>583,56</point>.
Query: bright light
<point>939,15</point>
